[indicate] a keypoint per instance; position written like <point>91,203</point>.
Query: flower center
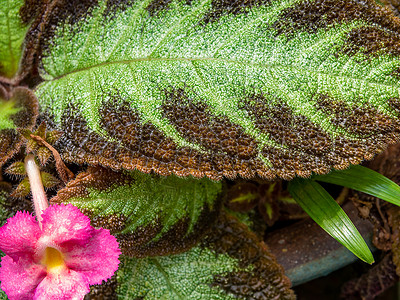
<point>53,260</point>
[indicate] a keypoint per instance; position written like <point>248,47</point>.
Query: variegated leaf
<point>150,215</point>
<point>219,87</point>
<point>231,263</point>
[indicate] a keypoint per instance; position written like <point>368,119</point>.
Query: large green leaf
<point>12,34</point>
<point>150,215</point>
<point>230,264</point>
<point>365,180</point>
<point>323,209</point>
<point>218,88</point>
<point>183,276</point>
<point>221,88</point>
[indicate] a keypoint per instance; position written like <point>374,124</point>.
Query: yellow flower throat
<point>53,260</point>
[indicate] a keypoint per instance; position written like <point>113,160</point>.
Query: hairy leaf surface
<point>12,34</point>
<point>20,111</point>
<point>222,88</point>
<point>231,264</point>
<point>150,215</point>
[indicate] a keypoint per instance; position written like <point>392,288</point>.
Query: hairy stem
<point>38,195</point>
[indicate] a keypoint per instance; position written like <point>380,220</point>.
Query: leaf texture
<point>150,215</point>
<point>12,33</point>
<point>324,210</point>
<point>20,111</point>
<point>231,264</point>
<point>221,88</point>
<point>364,180</point>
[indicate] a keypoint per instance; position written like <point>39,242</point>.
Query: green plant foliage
<point>7,109</point>
<point>231,263</point>
<point>365,180</point>
<point>182,276</point>
<point>148,213</point>
<point>12,34</point>
<point>323,209</point>
<point>20,111</point>
<point>221,88</point>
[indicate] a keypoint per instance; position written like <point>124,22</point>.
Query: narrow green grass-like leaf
<point>323,209</point>
<point>364,180</point>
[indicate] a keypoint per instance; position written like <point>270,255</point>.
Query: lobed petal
<point>98,260</point>
<point>18,237</point>
<point>65,224</point>
<point>67,284</point>
<point>20,279</point>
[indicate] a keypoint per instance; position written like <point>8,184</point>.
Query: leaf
<point>22,190</point>
<point>221,88</point>
<point>49,180</point>
<point>182,276</point>
<point>7,109</point>
<point>20,111</point>
<point>323,209</point>
<point>150,215</point>
<point>231,264</point>
<point>17,168</point>
<point>12,34</point>
<point>365,180</point>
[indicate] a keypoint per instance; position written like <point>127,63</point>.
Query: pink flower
<point>57,261</point>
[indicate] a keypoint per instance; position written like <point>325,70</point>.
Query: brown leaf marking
<point>265,279</point>
<point>318,14</point>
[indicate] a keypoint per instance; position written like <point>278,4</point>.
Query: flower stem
<point>38,195</point>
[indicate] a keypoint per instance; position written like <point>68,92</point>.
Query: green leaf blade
<point>228,90</point>
<point>323,209</point>
<point>12,34</point>
<point>364,180</point>
<point>150,215</point>
<point>230,256</point>
<point>173,277</point>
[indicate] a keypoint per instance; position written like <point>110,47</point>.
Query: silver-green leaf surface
<point>221,88</point>
<point>150,215</point>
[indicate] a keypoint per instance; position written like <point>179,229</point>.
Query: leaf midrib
<point>247,63</point>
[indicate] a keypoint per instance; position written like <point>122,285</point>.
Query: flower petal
<point>18,237</point>
<point>98,260</point>
<point>67,284</point>
<point>65,224</point>
<point>20,279</point>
